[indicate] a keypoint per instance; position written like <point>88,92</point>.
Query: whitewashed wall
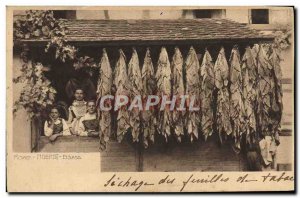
<point>21,123</point>
<point>132,14</point>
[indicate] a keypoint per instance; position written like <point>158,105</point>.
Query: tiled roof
<point>160,30</point>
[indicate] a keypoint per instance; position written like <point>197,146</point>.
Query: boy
<point>89,123</point>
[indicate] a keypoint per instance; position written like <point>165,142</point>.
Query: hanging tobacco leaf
<point>276,102</point>
<point>207,88</point>
<point>223,113</point>
<point>134,74</point>
<point>122,86</point>
<point>236,102</point>
<point>104,88</point>
<point>249,76</point>
<point>193,89</point>
<point>221,70</point>
<point>269,92</point>
<point>178,90</point>
<point>163,77</point>
<point>265,88</point>
<point>148,117</point>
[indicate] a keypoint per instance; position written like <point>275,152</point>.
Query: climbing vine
<point>283,38</point>
<point>41,25</point>
<point>37,93</point>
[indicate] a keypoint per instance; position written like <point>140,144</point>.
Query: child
<point>55,126</point>
<point>76,111</point>
<point>89,123</point>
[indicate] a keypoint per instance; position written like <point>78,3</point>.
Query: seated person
<point>76,111</point>
<point>89,123</point>
<point>55,126</point>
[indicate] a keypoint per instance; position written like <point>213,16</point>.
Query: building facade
<point>266,20</point>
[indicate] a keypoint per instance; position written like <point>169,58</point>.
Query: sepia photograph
<point>152,89</point>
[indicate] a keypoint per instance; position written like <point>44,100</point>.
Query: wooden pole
<point>140,152</point>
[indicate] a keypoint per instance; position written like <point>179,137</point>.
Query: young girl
<point>89,123</point>
<point>55,126</point>
<point>76,111</point>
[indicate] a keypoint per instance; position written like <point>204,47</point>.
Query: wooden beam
<point>156,42</point>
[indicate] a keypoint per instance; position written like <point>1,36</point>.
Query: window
<point>209,13</point>
<point>203,13</point>
<point>260,16</point>
<point>64,14</point>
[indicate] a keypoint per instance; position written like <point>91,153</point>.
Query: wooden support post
<point>140,156</point>
<point>140,152</point>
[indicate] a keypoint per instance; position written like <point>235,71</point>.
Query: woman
<point>89,123</point>
<point>76,111</point>
<point>55,126</point>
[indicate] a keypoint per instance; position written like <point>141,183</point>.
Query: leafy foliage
<point>41,24</point>
<point>37,93</point>
<point>38,24</point>
<point>85,61</point>
<point>282,39</point>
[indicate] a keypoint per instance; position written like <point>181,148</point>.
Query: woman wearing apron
<point>76,111</point>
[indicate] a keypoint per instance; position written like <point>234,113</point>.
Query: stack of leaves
<point>121,84</point>
<point>221,70</point>
<point>193,89</point>
<point>163,77</point>
<point>148,116</point>
<point>236,102</point>
<point>134,74</point>
<point>178,91</point>
<point>104,88</point>
<point>207,88</point>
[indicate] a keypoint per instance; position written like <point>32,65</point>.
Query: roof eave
<point>221,41</point>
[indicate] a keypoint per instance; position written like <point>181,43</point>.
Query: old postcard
<point>150,99</point>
